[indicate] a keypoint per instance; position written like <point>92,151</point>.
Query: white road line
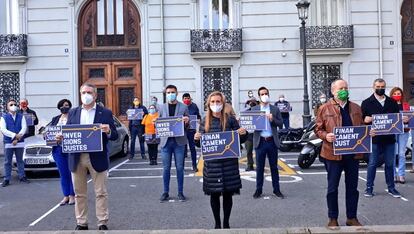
<point>282,159</point>
<point>403,198</point>
<point>289,159</point>
<point>144,177</point>
<point>147,169</point>
<point>362,178</point>
<point>147,163</point>
<point>291,166</point>
<point>56,206</point>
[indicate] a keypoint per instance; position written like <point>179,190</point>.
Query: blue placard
<point>193,122</point>
<point>82,138</point>
<point>254,120</point>
<point>387,124</point>
<point>352,140</point>
<point>170,126</point>
<point>284,107</point>
<point>410,115</point>
<point>29,119</point>
<point>135,114</point>
<point>51,133</point>
<point>220,145</point>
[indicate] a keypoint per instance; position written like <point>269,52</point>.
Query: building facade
<point>136,47</point>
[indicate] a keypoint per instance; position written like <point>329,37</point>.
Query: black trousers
<point>153,151</point>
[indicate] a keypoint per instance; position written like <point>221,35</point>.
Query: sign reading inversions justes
<point>220,145</point>
<point>387,124</point>
<point>170,126</point>
<point>254,120</point>
<point>82,138</point>
<point>352,140</point>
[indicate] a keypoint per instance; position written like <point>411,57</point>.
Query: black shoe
<point>143,156</point>
<point>155,162</point>
<point>79,227</point>
<point>195,169</point>
<point>257,194</point>
<point>131,157</point>
<point>164,197</point>
<point>278,194</point>
<point>151,163</point>
<point>226,225</point>
<point>102,227</point>
<point>24,180</point>
<point>249,168</point>
<point>5,183</point>
<point>217,226</point>
<point>181,197</point>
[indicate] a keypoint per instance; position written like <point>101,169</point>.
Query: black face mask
<point>64,109</point>
<point>380,92</point>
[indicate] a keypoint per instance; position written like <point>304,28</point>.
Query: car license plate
<point>35,161</point>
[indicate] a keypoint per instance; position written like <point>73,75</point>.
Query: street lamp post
<point>303,7</point>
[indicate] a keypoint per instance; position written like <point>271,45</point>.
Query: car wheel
<point>124,151</point>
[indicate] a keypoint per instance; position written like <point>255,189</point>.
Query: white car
<point>37,156</point>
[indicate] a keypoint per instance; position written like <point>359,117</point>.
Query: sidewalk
<point>313,230</point>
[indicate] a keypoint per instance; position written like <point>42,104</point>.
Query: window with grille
<point>217,79</point>
<point>327,12</point>
<point>322,76</point>
<point>9,88</point>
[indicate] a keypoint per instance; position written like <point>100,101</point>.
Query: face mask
<point>250,95</point>
<point>13,108</point>
<point>323,100</point>
<point>216,108</point>
<point>281,99</point>
<point>154,101</point>
<point>380,92</point>
<point>397,98</point>
<point>151,111</point>
<point>264,98</point>
<point>86,99</point>
<point>343,95</point>
<point>171,97</point>
<point>136,103</point>
<point>187,102</point>
<point>64,109</point>
<point>23,105</point>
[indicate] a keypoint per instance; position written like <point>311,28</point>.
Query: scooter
<point>291,138</point>
<point>311,150</point>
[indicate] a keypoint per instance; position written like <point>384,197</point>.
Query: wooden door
<point>117,82</point>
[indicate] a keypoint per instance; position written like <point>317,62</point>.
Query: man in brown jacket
<point>338,112</point>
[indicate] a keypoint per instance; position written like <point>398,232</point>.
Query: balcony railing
<point>216,40</point>
<point>13,46</point>
<point>329,37</point>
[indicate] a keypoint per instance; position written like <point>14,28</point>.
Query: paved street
<point>135,187</point>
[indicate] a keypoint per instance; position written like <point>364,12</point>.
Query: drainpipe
<point>381,72</point>
<point>163,49</point>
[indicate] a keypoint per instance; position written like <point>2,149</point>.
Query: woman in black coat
<point>220,176</point>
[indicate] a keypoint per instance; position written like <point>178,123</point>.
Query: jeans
<point>286,122</point>
<point>64,172</point>
<point>266,148</point>
<point>137,131</point>
<point>191,145</point>
<point>8,157</point>
<point>166,154</point>
<point>388,151</point>
<point>401,147</point>
<point>334,169</point>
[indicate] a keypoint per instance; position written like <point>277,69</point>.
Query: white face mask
<point>281,99</point>
<point>14,108</point>
<point>87,99</point>
<point>323,100</point>
<point>216,108</point>
<point>264,98</point>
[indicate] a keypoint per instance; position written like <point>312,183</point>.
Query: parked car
<point>37,156</point>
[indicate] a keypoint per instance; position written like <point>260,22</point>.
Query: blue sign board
<point>170,126</point>
<point>135,114</point>
<point>29,119</point>
<point>254,120</point>
<point>51,133</point>
<point>284,107</point>
<point>410,115</point>
<point>220,145</point>
<point>387,124</point>
<point>82,138</point>
<point>193,122</point>
<point>352,140</point>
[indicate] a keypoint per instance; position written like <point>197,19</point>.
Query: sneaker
<point>394,193</point>
<point>278,194</point>
<point>164,197</point>
<point>368,192</point>
<point>181,197</point>
<point>24,180</point>
<point>5,183</point>
<point>257,194</point>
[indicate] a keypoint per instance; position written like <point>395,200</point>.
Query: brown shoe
<point>333,224</point>
<point>353,222</point>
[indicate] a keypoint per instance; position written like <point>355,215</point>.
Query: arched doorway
<point>110,52</point>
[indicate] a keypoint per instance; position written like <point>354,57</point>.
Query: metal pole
<point>306,112</point>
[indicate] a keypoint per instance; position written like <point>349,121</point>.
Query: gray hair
<point>379,80</point>
<point>335,81</point>
<point>95,90</point>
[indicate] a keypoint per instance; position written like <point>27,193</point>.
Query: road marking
<point>144,177</point>
<point>147,163</point>
<point>282,159</point>
<point>56,206</point>
<point>362,178</point>
<point>148,169</point>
